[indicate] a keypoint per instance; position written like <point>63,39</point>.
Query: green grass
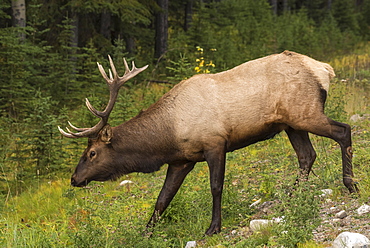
<point>53,214</point>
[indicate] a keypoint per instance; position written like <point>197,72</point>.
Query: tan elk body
<point>208,115</point>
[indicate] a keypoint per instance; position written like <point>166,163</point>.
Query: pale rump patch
<point>324,72</point>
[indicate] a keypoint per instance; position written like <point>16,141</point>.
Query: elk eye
<point>92,154</point>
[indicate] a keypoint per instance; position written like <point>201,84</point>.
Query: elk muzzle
<point>75,182</point>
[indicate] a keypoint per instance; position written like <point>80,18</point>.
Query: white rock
<point>255,203</point>
<point>350,240</point>
<point>191,244</point>
<point>326,192</point>
<point>278,219</point>
<point>363,209</point>
<point>341,215</point>
<point>124,182</point>
<point>356,118</point>
<point>256,225</point>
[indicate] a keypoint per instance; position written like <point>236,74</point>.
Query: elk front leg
<point>216,163</point>
<point>174,178</point>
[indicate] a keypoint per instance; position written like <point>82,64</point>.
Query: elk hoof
<point>213,229</point>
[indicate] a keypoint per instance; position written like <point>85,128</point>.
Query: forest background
<point>49,50</point>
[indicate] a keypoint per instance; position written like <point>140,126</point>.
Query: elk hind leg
<point>304,150</point>
<point>341,133</point>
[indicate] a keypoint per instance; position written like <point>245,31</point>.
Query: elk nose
<point>73,182</point>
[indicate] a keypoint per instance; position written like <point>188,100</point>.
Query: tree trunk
<point>19,13</point>
<point>274,6</point>
<point>105,24</point>
<point>329,4</point>
<point>161,29</point>
<point>73,49</point>
<point>188,14</point>
<point>75,30</point>
<point>19,16</point>
<point>285,6</point>
<point>130,45</point>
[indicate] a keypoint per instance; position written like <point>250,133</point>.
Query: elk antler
<point>114,83</point>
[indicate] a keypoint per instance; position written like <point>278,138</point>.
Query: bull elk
<point>206,116</point>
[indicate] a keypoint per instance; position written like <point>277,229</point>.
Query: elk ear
<point>106,134</point>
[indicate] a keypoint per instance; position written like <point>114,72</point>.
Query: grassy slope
<point>52,214</point>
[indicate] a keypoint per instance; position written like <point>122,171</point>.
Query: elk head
<point>95,163</point>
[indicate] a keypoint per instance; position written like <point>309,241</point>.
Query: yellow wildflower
<point>211,64</point>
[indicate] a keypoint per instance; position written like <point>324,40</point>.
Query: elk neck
<point>145,142</point>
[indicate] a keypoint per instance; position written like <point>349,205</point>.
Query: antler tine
<point>68,135</point>
<point>113,68</point>
<point>130,73</point>
<point>76,128</point>
<point>85,132</point>
<point>127,69</point>
<point>133,66</point>
<point>93,110</point>
<point>69,131</point>
<point>102,71</point>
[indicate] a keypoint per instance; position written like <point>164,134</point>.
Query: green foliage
<point>300,209</point>
<point>344,14</point>
<point>44,141</point>
<point>237,35</point>
<point>3,14</point>
<point>16,71</point>
<point>335,106</point>
<point>180,69</point>
<point>184,68</point>
<point>296,32</point>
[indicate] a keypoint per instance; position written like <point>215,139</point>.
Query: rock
<point>124,182</point>
<point>351,240</point>
<point>254,204</point>
<point>256,225</point>
<point>326,192</point>
<point>278,219</point>
<point>341,215</point>
<point>266,206</point>
<point>356,118</point>
<point>191,244</point>
<point>363,209</point>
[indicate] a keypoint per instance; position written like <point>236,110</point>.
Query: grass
<point>53,214</point>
